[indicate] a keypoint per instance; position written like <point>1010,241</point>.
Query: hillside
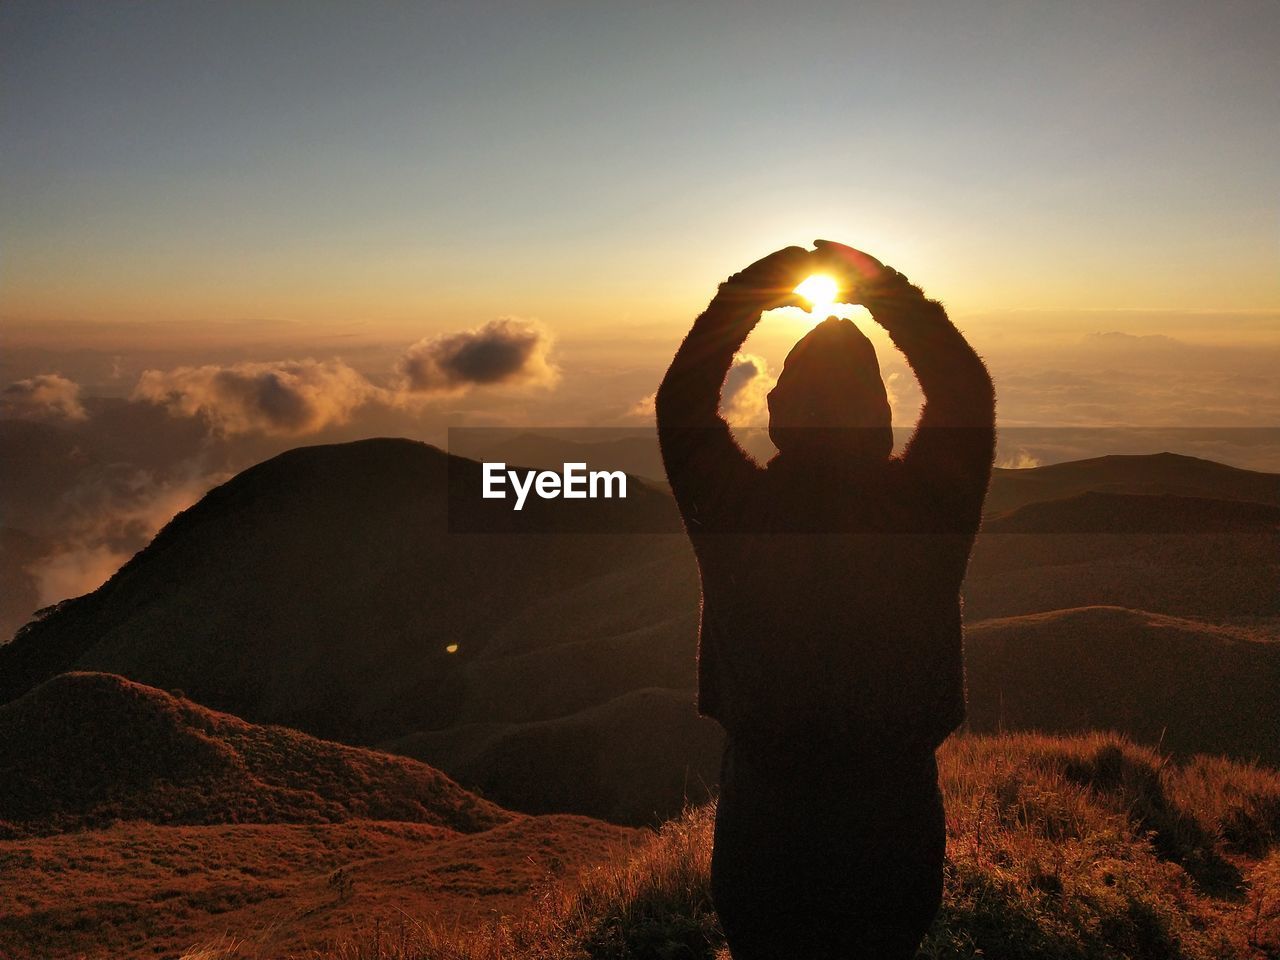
<point>639,758</point>
<point>1084,848</point>
<point>1097,512</point>
<point>134,823</point>
<point>137,891</point>
<point>325,588</point>
<point>1148,474</point>
<point>1218,577</point>
<point>87,749</point>
<point>1189,686</point>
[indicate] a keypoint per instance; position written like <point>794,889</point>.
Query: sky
<point>228,228</point>
<point>603,165</point>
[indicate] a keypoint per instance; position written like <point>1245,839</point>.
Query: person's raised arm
<point>955,436</point>
<point>700,455</point>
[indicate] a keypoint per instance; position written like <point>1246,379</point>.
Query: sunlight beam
<point>820,290</point>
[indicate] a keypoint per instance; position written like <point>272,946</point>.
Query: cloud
<point>644,408</point>
<point>505,351</point>
<point>293,398</point>
<point>744,397</point>
<point>110,515</point>
<point>47,396</point>
<point>1021,460</point>
<point>279,398</point>
<point>73,572</point>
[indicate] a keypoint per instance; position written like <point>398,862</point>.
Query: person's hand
<point>769,282</point>
<point>863,279</point>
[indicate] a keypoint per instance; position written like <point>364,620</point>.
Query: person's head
<point>830,400</point>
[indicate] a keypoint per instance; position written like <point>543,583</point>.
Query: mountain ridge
<point>343,555</point>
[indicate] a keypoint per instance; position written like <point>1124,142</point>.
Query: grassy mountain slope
<point>137,890</point>
<point>1083,848</point>
<point>134,823</point>
<point>87,749</point>
<point>1190,686</point>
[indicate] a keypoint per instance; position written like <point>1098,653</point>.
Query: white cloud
<point>47,396</point>
<point>744,398</point>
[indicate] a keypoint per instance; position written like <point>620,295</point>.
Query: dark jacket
<point>831,587</point>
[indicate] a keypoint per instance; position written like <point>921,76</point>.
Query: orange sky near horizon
<point>601,170</point>
<point>642,288</point>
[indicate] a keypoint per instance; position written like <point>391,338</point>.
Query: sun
<point>820,290</point>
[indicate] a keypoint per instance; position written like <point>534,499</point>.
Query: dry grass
<point>88,750</point>
<point>1078,848</point>
<point>1091,847</point>
<point>139,890</point>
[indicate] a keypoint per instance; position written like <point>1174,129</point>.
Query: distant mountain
<point>1098,512</point>
<point>1188,686</point>
<point>86,749</point>
<point>1161,473</point>
<point>1142,474</point>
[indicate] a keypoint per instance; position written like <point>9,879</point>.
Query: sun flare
<point>820,290</point>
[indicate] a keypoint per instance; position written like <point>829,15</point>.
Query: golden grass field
<point>139,890</point>
<point>1078,848</point>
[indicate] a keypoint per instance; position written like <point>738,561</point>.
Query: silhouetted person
<point>830,645</point>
